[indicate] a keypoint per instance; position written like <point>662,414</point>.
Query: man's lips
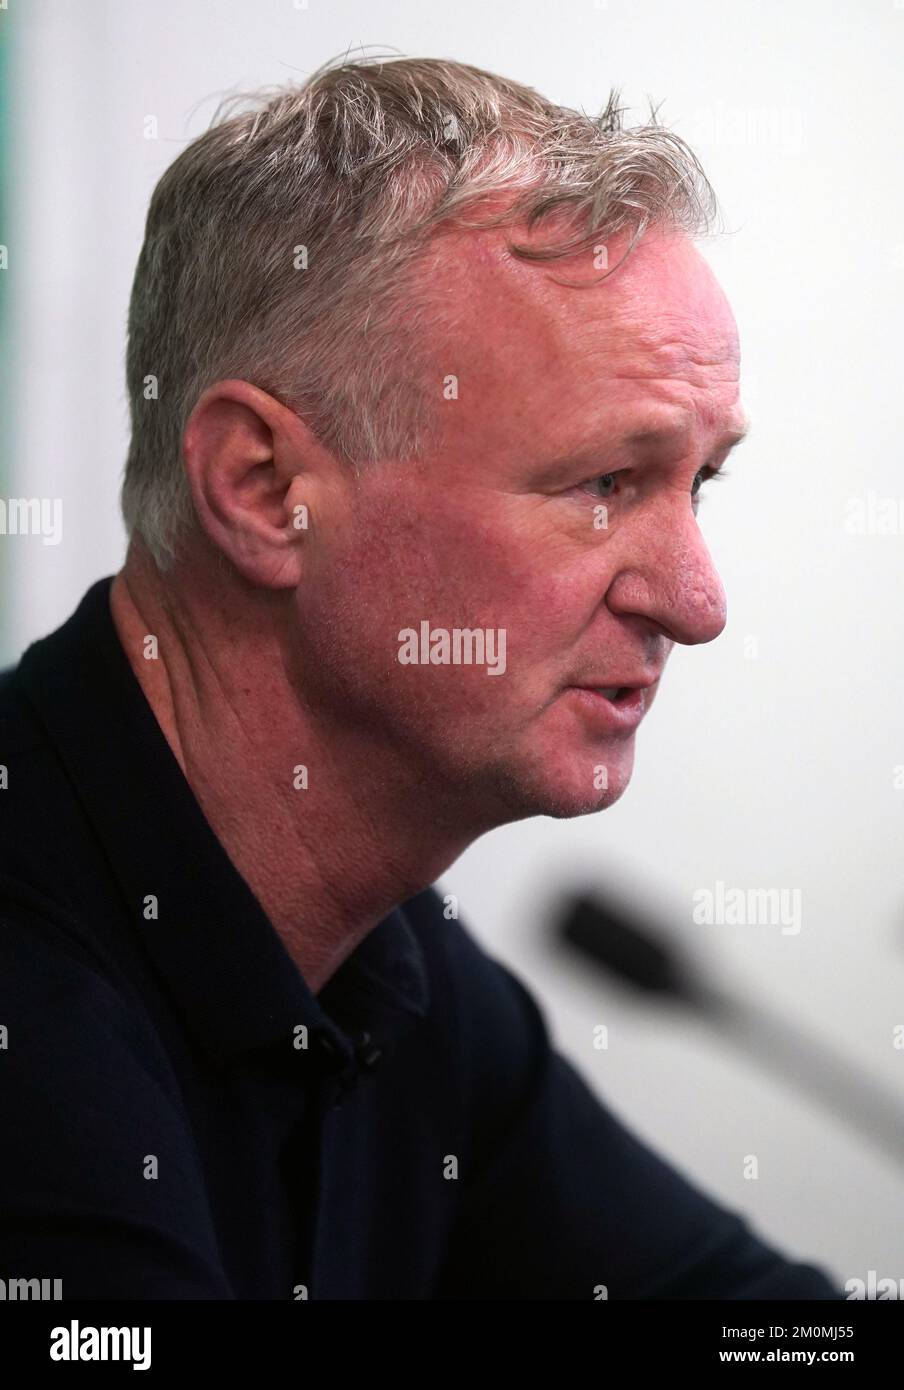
<point>643,681</point>
<point>620,709</point>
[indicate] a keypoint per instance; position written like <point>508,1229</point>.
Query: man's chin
<point>563,806</point>
<point>568,791</point>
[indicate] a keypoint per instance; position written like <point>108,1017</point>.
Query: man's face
<point>501,530</point>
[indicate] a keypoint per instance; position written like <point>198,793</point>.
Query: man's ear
<point>255,471</point>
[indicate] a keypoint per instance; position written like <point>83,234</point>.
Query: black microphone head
<point>615,938</point>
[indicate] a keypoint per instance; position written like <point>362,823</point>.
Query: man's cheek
<point>545,624</point>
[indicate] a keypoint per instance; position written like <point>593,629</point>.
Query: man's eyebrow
<point>587,454</point>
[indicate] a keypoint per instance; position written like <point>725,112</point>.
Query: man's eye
<point>706,475</point>
<point>603,484</point>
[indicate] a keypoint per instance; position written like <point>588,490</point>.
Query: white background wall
<point>772,771</point>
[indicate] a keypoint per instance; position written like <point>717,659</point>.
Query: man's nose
<point>670,579</point>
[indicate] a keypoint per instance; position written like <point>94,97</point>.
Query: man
<point>426,375</point>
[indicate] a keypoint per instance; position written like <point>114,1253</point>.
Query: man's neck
<point>327,860</point>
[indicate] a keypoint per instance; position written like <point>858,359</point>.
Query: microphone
<point>618,941</point>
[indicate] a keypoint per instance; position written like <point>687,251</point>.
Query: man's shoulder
<point>85,1077</point>
<point>45,836</point>
<point>59,985</point>
<point>19,731</point>
<point>84,1073</point>
<point>62,984</point>
<point>27,809</point>
<point>32,784</point>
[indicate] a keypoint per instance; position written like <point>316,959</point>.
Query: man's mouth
<point>614,708</point>
<point>611,709</point>
<point>644,681</point>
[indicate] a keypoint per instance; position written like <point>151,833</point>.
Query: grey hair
<point>281,248</point>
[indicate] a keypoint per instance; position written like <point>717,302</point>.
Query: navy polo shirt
<point>182,1118</point>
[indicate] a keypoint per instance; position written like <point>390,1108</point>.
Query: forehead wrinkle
<point>662,423</point>
<point>540,364</point>
<point>626,323</point>
<point>618,345</point>
<point>677,355</point>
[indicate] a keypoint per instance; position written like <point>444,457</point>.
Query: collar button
<point>366,1052</point>
<point>327,1047</point>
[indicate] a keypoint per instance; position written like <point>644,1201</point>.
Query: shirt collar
<point>220,959</point>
